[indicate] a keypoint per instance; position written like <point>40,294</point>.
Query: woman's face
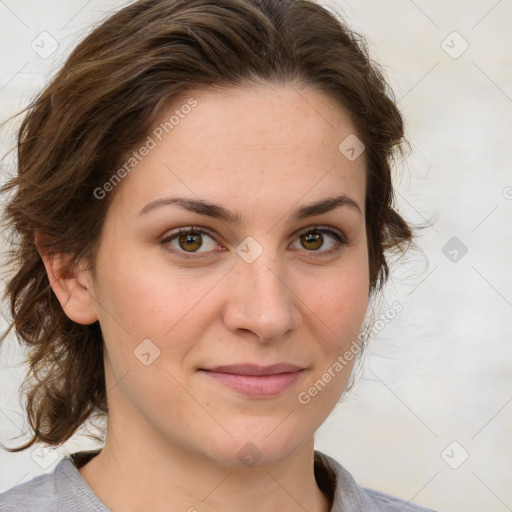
<point>260,280</point>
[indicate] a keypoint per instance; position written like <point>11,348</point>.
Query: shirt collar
<point>332,478</point>
<point>335,481</point>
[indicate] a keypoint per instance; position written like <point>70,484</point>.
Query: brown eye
<point>190,240</point>
<point>313,240</point>
<point>316,238</point>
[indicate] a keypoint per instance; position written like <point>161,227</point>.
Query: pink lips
<point>254,380</point>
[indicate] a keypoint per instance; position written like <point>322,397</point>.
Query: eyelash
<point>338,237</point>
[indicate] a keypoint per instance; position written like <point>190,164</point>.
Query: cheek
<point>158,301</point>
<point>340,299</point>
<point>149,299</point>
<point>339,307</point>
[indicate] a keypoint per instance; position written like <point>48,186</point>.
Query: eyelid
<point>322,228</point>
<point>168,237</point>
<point>338,235</point>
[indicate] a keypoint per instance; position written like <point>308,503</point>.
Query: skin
<point>173,431</point>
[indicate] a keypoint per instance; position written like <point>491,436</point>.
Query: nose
<point>261,301</point>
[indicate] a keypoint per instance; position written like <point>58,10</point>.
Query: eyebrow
<point>215,211</point>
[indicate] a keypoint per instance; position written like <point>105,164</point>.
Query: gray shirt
<point>64,490</point>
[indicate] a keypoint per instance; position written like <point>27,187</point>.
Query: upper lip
<point>254,369</point>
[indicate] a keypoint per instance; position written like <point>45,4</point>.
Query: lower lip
<point>257,385</point>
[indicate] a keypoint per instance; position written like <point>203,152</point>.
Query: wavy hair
<point>105,100</point>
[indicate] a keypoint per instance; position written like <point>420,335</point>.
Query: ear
<point>72,285</point>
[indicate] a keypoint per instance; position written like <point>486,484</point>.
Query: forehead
<point>250,140</point>
<point>259,117</point>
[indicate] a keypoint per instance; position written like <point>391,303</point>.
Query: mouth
<point>256,381</point>
<point>255,370</point>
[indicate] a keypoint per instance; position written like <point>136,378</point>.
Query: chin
<point>255,449</point>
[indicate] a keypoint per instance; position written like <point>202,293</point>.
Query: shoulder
<point>348,495</point>
<point>62,490</point>
<point>40,493</point>
<point>388,503</point>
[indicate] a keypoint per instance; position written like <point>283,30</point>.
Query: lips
<point>254,380</point>
<point>252,369</point>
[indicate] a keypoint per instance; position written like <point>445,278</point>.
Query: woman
<point>204,203</point>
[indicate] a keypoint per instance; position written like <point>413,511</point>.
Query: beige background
<point>441,371</point>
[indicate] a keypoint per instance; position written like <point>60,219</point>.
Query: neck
<point>161,480</point>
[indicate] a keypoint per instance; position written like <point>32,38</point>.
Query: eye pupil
<point>189,238</point>
<point>315,238</point>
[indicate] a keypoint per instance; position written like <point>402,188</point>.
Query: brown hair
<point>105,100</point>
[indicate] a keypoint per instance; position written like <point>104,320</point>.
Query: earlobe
<point>71,284</point>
